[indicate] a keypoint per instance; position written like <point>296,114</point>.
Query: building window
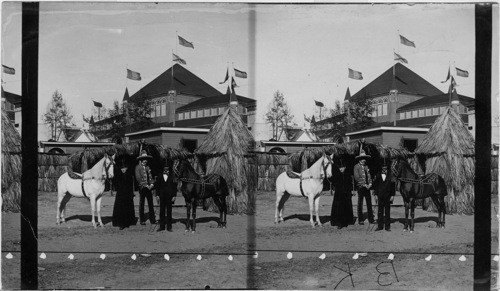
<point>410,144</point>
<point>164,109</point>
<point>153,112</point>
<point>408,114</point>
<point>221,110</point>
<point>186,115</point>
<point>435,111</point>
<point>158,110</point>
<point>421,113</point>
<point>402,115</point>
<point>384,109</point>
<point>200,113</point>
<point>180,116</point>
<point>414,114</point>
<point>442,109</point>
<point>206,112</point>
<point>428,112</point>
<point>213,111</point>
<point>193,114</point>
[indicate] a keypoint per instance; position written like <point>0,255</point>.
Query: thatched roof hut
<point>448,150</point>
<point>11,166</point>
<point>230,135</point>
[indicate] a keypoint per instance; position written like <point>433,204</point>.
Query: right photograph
<point>365,135</point>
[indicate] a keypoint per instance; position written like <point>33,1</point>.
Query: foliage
<point>58,115</point>
<point>279,115</point>
<point>122,119</point>
<point>351,117</point>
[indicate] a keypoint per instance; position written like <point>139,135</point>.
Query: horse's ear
<point>113,157</point>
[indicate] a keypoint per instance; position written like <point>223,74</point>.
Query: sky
<point>304,51</point>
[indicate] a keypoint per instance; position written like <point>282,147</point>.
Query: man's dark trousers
<point>145,193</point>
<point>365,193</point>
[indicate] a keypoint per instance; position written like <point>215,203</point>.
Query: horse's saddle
<point>75,175</point>
<point>293,175</point>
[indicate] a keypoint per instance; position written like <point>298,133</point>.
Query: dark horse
<point>195,186</point>
<point>413,186</point>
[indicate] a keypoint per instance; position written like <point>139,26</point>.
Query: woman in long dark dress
<point>123,210</point>
<point>342,214</point>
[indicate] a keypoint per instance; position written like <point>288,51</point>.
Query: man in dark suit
<point>385,190</point>
<point>167,190</point>
<point>145,181</point>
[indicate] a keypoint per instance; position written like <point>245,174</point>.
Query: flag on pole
<point>233,83</point>
<point>319,104</point>
<point>453,83</point>
<point>355,75</point>
<point>178,59</point>
<point>398,57</point>
<point>185,43</point>
<point>448,76</point>
<point>133,75</point>
<point>240,74</point>
<point>97,104</point>
<point>313,120</point>
<point>8,70</point>
<point>462,73</point>
<point>406,41</point>
<point>226,78</point>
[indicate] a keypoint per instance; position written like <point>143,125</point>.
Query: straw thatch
<point>11,166</point>
<point>83,160</point>
<point>230,135</point>
<point>448,150</point>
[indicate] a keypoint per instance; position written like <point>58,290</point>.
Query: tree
<point>279,115</point>
<point>355,115</point>
<point>124,118</point>
<point>58,116</point>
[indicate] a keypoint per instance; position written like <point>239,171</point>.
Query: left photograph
<point>145,114</point>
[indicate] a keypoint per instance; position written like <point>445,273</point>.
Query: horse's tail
<point>224,189</point>
<point>442,186</point>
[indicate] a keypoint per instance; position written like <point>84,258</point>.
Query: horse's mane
<point>312,170</point>
<point>93,172</point>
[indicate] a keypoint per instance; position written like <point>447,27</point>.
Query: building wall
<point>393,139</point>
<point>180,99</point>
<point>173,139</point>
<point>394,101</point>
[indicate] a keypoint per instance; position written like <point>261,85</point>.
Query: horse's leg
<point>193,214</point>
<point>188,211</point>
<point>412,207</point>
<point>99,211</point>
<point>63,207</point>
<point>92,210</point>
<point>438,205</point>
<point>279,195</point>
<point>311,205</point>
<point>316,208</point>
<point>407,209</point>
<point>219,206</point>
<point>443,210</point>
<point>285,197</point>
<point>59,200</point>
<point>224,210</point>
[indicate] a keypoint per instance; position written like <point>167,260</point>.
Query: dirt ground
<point>227,259</point>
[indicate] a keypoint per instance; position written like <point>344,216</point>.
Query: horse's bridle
<point>330,162</point>
<point>107,166</point>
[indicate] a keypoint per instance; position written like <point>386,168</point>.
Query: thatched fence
<point>50,168</point>
<point>266,167</point>
<point>11,166</point>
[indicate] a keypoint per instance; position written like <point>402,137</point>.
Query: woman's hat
<point>144,155</point>
<point>362,155</point>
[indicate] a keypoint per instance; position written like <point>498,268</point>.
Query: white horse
<point>90,186</point>
<point>307,184</point>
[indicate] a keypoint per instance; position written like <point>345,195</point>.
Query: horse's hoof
<point>405,230</point>
<point>192,231</point>
<point>186,230</point>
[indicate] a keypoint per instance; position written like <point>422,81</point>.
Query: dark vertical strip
<point>29,178</point>
<point>251,240</point>
<point>482,182</point>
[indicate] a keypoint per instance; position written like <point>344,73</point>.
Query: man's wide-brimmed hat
<point>144,155</point>
<point>362,155</point>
